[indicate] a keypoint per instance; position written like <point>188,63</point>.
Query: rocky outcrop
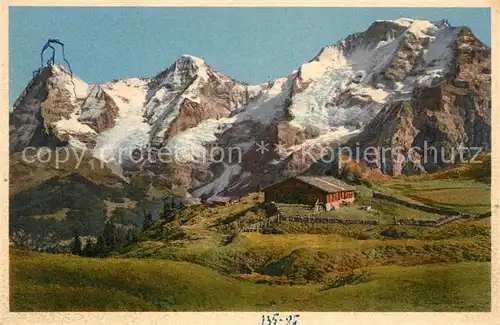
<point>187,93</point>
<point>26,123</point>
<point>98,110</point>
<point>446,117</point>
<point>218,97</point>
<point>57,108</point>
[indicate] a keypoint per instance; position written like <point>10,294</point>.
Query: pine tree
<point>76,245</point>
<point>345,173</point>
<point>130,237</point>
<point>336,168</point>
<point>356,177</point>
<point>110,234</point>
<point>99,247</point>
<point>169,209</point>
<point>148,222</point>
<point>88,249</point>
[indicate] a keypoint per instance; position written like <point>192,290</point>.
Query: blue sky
<point>248,44</point>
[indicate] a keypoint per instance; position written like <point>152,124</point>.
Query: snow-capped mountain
<point>398,82</point>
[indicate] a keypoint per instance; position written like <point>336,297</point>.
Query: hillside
<point>69,191</point>
<point>200,256</point>
<point>31,172</point>
<point>44,282</point>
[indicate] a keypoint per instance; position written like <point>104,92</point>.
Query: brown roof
<point>219,199</point>
<point>327,184</point>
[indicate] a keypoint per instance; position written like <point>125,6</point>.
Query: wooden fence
<point>266,223</point>
<point>435,223</point>
<point>259,226</point>
<point>330,220</point>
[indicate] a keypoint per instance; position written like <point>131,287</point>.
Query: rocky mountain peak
<point>196,60</point>
<point>183,71</point>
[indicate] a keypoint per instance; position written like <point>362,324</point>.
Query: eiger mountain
<point>399,83</point>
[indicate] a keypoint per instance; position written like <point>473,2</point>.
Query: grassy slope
<point>411,268</point>
<point>44,282</point>
<point>314,253</point>
<point>461,195</point>
<point>465,188</point>
<point>208,227</point>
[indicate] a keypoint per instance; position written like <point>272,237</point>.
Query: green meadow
<point>49,282</point>
<point>200,260</point>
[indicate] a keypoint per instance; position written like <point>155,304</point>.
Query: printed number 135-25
<point>275,319</point>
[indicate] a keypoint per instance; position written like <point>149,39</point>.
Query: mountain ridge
<point>190,107</point>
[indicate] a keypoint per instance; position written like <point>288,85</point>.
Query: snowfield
<point>130,131</point>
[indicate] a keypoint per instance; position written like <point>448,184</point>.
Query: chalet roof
<point>219,199</point>
<point>327,184</point>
